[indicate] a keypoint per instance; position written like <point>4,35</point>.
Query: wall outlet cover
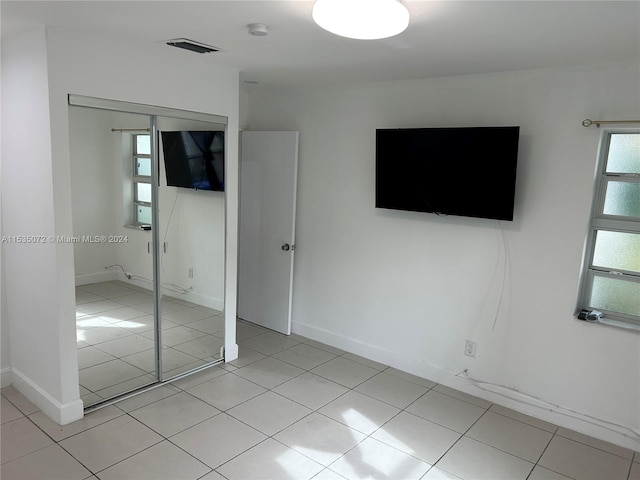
<point>470,348</point>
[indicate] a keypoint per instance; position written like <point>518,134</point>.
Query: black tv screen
<point>467,171</point>
<point>194,159</point>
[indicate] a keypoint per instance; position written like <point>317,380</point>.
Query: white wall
<point>42,350</point>
<point>408,289</point>
<point>39,69</point>
<point>5,351</point>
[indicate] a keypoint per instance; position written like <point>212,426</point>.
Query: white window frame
<point>601,221</point>
<point>138,178</point>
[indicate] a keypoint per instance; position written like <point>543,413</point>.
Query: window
<point>611,273</point>
<point>142,179</point>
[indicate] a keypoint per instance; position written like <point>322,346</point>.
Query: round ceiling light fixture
<point>361,19</point>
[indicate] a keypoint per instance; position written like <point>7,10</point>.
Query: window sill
<point>146,228</point>
<point>613,323</point>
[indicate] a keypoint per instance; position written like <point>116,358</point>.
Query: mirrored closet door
<point>149,227</point>
<point>191,219</point>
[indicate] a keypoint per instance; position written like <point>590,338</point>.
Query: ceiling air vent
<point>192,46</point>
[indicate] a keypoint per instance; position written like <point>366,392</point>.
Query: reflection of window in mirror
<point>141,158</point>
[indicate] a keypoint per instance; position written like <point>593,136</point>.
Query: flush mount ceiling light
<point>361,19</point>
<point>258,29</point>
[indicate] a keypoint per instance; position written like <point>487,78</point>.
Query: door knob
<point>286,247</point>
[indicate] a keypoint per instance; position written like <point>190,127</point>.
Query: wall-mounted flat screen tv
<point>194,159</point>
<point>469,171</point>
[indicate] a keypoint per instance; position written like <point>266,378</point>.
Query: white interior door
<point>268,175</point>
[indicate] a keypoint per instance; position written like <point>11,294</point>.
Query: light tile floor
<point>292,408</point>
<point>115,331</point>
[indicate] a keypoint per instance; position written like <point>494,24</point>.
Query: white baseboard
<point>193,297</point>
<point>197,298</point>
<point>88,278</point>
<point>135,282</point>
<point>6,377</point>
<point>500,395</point>
<point>556,414</point>
<point>230,352</point>
<point>61,413</point>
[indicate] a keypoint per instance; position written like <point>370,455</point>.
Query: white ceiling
<point>444,37</point>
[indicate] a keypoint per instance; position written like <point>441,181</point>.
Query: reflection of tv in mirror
<point>194,159</point>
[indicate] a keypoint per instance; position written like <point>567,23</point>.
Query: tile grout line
<point>596,448</point>
<point>342,355</point>
<point>54,443</point>
<point>542,454</point>
<point>312,411</point>
<point>630,469</point>
<point>134,454</point>
<point>353,389</point>
<point>271,437</point>
<point>462,435</point>
<point>168,439</point>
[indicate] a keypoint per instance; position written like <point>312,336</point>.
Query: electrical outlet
<point>190,272</point>
<point>470,349</point>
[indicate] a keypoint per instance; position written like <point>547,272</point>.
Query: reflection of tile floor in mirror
<point>292,408</point>
<point>116,338</point>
